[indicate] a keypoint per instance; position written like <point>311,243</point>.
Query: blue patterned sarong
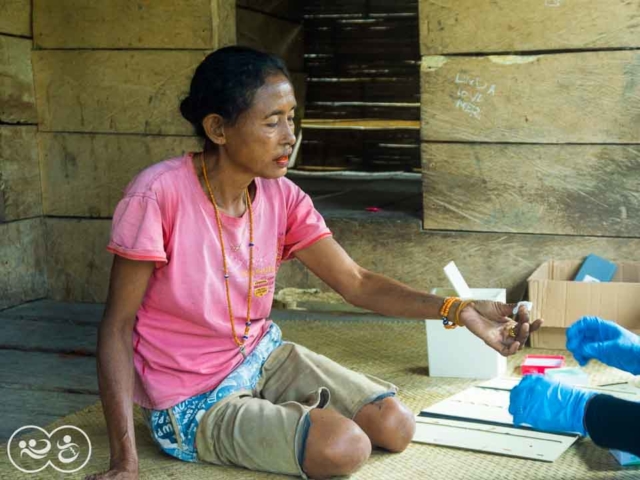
<point>174,429</point>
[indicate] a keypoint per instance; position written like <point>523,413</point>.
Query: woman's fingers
<point>522,332</point>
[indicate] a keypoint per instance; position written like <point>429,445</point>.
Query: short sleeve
<point>305,225</point>
<point>136,230</point>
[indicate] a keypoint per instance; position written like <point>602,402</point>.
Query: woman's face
<point>262,138</point>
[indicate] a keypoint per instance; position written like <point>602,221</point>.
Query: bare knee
<point>336,446</point>
<point>388,423</point>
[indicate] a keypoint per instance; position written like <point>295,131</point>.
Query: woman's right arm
<point>127,286</point>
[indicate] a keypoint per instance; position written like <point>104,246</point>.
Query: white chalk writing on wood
<point>471,92</point>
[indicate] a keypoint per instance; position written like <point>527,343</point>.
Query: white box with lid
<point>458,352</point>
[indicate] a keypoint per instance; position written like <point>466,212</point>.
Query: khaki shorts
<point>266,429</point>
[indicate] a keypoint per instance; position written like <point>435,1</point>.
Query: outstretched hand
<point>491,322</point>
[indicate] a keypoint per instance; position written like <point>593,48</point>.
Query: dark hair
<point>226,82</point>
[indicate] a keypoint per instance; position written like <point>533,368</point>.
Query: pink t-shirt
<point>183,343</point>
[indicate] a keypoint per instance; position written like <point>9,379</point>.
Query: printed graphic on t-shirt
<point>261,287</point>
<point>263,272</point>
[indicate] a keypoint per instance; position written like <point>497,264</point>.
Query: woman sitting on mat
<point>552,406</point>
<point>198,240</point>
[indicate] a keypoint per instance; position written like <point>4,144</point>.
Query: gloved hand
<point>593,337</point>
<point>550,406</point>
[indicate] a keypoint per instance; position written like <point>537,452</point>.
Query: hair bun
<point>186,109</point>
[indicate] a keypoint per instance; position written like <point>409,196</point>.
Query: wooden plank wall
<point>362,60</point>
<point>108,93</point>
<point>22,269</point>
<point>530,125</point>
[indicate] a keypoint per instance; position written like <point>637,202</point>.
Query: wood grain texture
<point>16,17</point>
<point>225,30</point>
<point>85,174</point>
<point>117,91</point>
<point>79,265</point>
<point>568,189</point>
<point>194,24</point>
<point>264,32</point>
<point>20,187</point>
<point>17,99</point>
<point>483,26</point>
<point>22,257</point>
<point>569,98</point>
<point>121,91</point>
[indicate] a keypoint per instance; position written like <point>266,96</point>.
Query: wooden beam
<point>113,91</point>
<point>20,190</point>
<point>188,24</point>
<point>17,100</point>
<point>117,91</point>
<point>78,265</point>
<point>569,98</point>
<point>85,174</point>
<point>568,189</point>
<point>472,26</point>
<point>16,17</point>
<point>22,256</point>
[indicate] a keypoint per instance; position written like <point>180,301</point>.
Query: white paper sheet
<point>478,419</point>
<point>492,439</point>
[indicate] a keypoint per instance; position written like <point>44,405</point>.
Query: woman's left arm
<point>381,294</point>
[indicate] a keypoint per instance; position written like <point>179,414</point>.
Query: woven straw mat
<point>394,351</point>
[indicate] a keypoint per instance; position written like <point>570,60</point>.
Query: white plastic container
<point>458,352</point>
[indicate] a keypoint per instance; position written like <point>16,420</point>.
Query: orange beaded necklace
<point>247,325</point>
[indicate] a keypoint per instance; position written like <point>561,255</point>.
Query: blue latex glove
<point>550,406</point>
<point>608,342</point>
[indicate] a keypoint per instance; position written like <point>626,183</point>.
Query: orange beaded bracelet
<point>444,312</point>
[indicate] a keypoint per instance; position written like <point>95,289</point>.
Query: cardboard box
<point>560,301</point>
<point>458,352</point>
